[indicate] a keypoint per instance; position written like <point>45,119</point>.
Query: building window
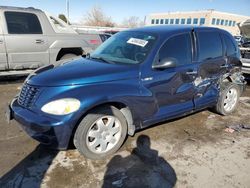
<point>177,21</point>
<point>157,21</point>
<point>166,21</point>
<point>222,22</point>
<point>230,22</point>
<point>171,21</point>
<point>213,21</point>
<point>195,21</point>
<point>226,23</point>
<point>153,21</point>
<point>189,21</point>
<point>183,21</point>
<point>218,22</point>
<point>202,21</point>
<point>234,23</point>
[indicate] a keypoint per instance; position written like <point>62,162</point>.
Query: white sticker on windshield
<point>138,42</point>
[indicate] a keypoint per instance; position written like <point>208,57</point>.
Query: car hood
<point>245,28</point>
<point>82,71</point>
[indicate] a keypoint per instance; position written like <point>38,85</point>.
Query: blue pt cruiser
<point>135,79</point>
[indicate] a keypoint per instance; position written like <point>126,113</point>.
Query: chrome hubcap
<point>103,134</point>
<point>230,100</point>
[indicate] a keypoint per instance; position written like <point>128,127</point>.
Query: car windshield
<point>127,47</point>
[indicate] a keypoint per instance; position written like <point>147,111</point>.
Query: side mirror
<point>165,63</point>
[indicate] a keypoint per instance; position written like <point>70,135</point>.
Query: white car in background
<point>239,39</point>
<point>31,38</point>
<point>245,48</point>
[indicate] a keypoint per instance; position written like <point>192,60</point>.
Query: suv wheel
<point>101,133</point>
<point>68,56</point>
<point>229,98</point>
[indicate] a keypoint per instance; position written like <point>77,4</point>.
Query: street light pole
<point>67,11</point>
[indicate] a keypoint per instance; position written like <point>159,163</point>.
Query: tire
<point>68,56</point>
<point>228,99</point>
<point>98,131</point>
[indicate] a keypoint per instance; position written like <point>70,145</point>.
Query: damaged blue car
<point>135,79</point>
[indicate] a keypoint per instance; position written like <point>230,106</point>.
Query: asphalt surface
<point>194,151</point>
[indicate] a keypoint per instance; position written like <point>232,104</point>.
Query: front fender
<point>126,92</point>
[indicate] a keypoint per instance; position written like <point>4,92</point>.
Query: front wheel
<point>101,133</point>
<point>228,99</point>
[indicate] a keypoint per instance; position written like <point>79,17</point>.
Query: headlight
<point>61,106</point>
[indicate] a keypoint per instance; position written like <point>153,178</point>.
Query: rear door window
<point>230,46</point>
<point>22,23</point>
<point>177,48</point>
<point>209,45</point>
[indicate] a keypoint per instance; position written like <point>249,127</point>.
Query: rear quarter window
<point>209,45</point>
<point>230,45</point>
<point>22,23</point>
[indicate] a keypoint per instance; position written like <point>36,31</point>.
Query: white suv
<point>31,38</point>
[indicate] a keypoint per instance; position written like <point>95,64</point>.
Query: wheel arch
<point>235,77</point>
<point>125,110</point>
<point>63,51</point>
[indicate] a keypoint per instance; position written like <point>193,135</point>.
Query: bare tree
<point>96,17</point>
<point>132,21</point>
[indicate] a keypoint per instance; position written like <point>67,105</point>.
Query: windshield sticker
<point>138,42</point>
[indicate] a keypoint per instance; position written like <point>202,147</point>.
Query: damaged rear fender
<point>235,76</point>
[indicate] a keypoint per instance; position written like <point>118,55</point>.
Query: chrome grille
<point>28,95</point>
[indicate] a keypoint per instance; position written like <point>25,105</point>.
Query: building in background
<point>212,18</point>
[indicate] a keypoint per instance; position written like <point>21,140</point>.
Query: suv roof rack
<point>19,8</point>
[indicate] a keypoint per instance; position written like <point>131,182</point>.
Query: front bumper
<point>51,131</point>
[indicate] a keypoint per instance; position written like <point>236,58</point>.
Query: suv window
<point>22,23</point>
<point>209,44</point>
<point>231,48</point>
<point>177,48</point>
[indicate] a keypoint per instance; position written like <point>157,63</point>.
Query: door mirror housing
<point>165,63</point>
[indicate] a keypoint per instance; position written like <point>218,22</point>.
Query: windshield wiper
<point>101,59</point>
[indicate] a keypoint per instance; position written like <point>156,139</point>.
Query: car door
<point>172,88</point>
<point>26,45</point>
<point>212,65</point>
<point>3,57</point>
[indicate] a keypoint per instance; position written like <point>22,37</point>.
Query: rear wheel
<point>229,98</point>
<point>101,133</point>
<point>68,56</point>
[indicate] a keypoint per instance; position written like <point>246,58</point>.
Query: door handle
<point>191,72</point>
<point>39,41</point>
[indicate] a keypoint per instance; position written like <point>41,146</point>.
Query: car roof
<point>164,29</point>
<point>19,8</point>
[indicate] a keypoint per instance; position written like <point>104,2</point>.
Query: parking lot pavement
<point>194,151</point>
